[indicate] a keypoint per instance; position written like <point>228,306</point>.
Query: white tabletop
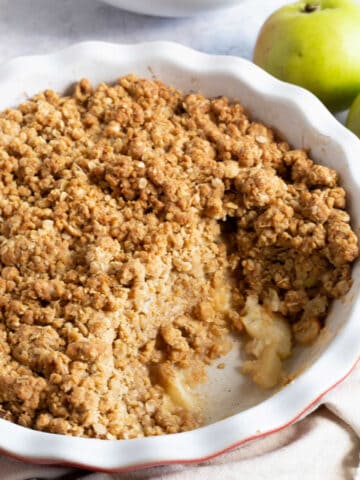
<point>41,26</point>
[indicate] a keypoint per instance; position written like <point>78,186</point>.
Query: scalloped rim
<point>285,407</point>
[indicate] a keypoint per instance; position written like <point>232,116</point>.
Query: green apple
<point>353,119</point>
<point>315,44</point>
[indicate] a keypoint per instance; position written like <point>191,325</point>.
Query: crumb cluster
<point>136,222</point>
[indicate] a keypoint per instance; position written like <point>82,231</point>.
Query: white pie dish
<point>172,8</point>
<point>304,122</point>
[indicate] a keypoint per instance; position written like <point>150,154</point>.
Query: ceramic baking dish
<point>235,410</point>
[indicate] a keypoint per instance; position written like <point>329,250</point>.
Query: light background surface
<point>41,26</point>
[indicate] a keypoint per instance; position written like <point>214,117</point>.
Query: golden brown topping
<point>136,224</point>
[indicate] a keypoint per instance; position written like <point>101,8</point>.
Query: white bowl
<point>172,8</point>
<point>304,122</point>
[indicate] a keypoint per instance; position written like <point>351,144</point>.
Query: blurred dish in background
<point>172,8</point>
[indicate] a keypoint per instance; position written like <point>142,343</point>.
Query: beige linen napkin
<point>325,446</point>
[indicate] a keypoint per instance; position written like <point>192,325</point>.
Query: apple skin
<point>353,118</point>
<point>318,50</point>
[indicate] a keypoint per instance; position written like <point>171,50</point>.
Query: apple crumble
<point>139,226</point>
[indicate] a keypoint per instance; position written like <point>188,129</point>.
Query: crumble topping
<point>139,226</point>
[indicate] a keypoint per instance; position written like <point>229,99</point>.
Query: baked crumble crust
<point>138,227</point>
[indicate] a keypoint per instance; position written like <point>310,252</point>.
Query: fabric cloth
<point>324,445</point>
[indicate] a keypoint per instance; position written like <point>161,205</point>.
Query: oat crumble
<point>138,227</point>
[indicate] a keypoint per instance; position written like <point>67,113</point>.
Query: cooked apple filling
<point>139,227</point>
